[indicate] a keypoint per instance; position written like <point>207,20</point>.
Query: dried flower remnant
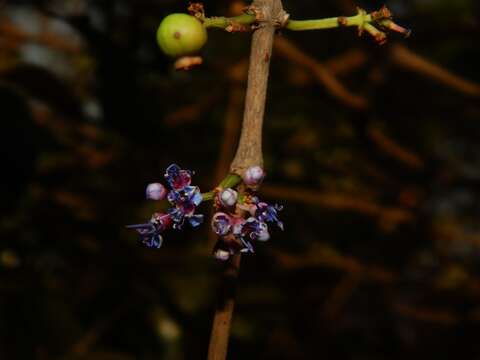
<point>187,62</point>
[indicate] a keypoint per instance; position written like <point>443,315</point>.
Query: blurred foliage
<point>380,256</point>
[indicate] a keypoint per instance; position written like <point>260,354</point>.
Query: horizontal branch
<point>365,22</point>
<point>225,23</point>
<point>329,23</point>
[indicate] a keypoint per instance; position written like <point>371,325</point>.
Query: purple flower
<point>178,178</point>
<point>238,234</point>
<point>185,202</point>
<point>156,191</point>
<point>268,213</point>
<point>184,198</point>
<point>150,233</point>
<point>254,229</point>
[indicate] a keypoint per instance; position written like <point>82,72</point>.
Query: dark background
<point>380,254</point>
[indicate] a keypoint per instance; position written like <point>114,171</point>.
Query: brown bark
<point>249,153</point>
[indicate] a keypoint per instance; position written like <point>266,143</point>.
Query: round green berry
<point>181,34</point>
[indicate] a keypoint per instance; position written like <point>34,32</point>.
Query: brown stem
<point>231,132</point>
<point>249,153</point>
<point>222,319</point>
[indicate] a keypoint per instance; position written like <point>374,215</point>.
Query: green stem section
<point>208,196</point>
<point>364,22</point>
<point>329,23</point>
<point>224,22</point>
<point>230,181</point>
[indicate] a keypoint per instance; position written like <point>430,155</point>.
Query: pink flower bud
<point>156,191</point>
<point>228,197</point>
<point>253,175</point>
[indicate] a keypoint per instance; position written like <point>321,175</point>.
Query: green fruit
<point>181,34</point>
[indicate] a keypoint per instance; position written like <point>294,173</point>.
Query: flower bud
<point>228,197</point>
<point>156,191</point>
<point>253,175</point>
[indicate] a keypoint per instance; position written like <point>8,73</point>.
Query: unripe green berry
<point>181,34</point>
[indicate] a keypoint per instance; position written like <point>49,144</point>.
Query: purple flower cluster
<point>184,199</point>
<point>237,232</point>
<point>240,221</point>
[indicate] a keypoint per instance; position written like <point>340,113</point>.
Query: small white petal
<point>222,255</point>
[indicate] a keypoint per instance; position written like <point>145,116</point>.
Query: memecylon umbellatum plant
<point>239,220</point>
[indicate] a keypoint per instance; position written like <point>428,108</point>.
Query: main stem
<point>249,153</point>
